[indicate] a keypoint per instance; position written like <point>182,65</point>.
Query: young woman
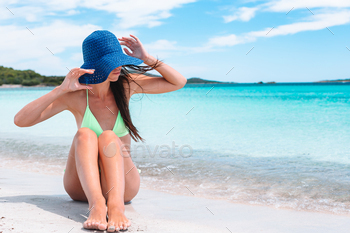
<point>99,169</point>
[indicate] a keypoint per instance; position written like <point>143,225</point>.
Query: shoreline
<point>33,202</point>
<point>218,83</point>
<point>187,188</point>
<point>19,85</point>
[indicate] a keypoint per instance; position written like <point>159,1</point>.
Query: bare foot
<point>116,218</point>
<point>97,216</point>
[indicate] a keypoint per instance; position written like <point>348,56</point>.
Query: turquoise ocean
<point>284,145</point>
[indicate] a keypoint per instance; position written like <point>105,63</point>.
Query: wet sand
<point>34,202</point>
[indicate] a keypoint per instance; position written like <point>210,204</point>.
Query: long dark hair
<point>120,96</point>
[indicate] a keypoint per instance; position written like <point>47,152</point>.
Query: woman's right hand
<point>71,81</point>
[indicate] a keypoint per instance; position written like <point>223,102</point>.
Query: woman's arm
<point>170,74</point>
<point>51,103</point>
<point>171,79</point>
<point>41,109</point>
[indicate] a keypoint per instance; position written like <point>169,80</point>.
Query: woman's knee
<point>85,134</point>
<point>85,143</point>
<point>107,135</point>
<point>109,144</point>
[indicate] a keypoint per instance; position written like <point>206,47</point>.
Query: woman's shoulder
<point>75,101</point>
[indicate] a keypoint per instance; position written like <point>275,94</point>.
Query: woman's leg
<point>82,179</point>
<point>116,174</point>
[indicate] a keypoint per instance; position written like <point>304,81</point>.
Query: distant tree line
<point>27,77</point>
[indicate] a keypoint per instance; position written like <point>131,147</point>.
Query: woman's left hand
<point>136,47</point>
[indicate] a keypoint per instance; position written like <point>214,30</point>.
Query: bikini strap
<point>87,97</point>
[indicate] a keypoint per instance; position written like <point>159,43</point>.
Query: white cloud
<point>130,13</point>
<point>247,13</point>
<point>73,12</point>
<point>286,5</point>
<point>316,22</point>
<point>27,51</point>
<point>35,11</point>
<point>312,23</point>
<point>327,14</point>
<point>229,40</point>
<point>243,14</point>
<point>22,50</point>
<point>29,13</point>
<point>59,5</point>
<point>161,45</point>
<point>138,12</point>
<point>77,57</point>
<point>163,48</point>
<point>319,21</point>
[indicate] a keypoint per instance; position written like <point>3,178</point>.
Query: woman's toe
<point>102,227</point>
<point>97,224</point>
<point>111,228</point>
<point>86,225</point>
<point>124,226</point>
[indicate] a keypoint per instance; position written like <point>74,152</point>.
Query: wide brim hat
<point>103,52</point>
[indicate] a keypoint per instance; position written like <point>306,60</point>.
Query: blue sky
<point>289,41</point>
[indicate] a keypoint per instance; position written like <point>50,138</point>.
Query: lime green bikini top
<point>90,121</point>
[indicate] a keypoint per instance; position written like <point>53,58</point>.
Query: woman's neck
<point>101,90</point>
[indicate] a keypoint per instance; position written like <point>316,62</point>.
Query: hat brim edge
<point>101,69</point>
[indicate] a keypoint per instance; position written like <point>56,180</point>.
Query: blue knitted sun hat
<point>103,52</point>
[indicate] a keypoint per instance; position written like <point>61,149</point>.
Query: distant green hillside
<point>27,77</point>
<point>199,80</point>
<point>31,78</point>
<point>331,81</point>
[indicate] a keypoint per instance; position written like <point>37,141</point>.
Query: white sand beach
<point>34,202</point>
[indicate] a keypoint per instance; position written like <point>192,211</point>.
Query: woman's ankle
<point>116,205</point>
<point>97,201</point>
